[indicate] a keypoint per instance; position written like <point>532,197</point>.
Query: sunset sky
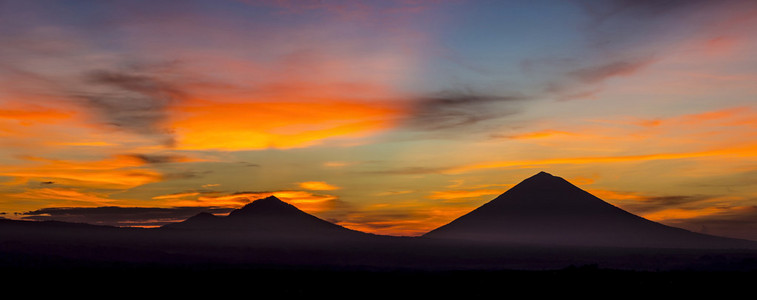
<point>390,117</point>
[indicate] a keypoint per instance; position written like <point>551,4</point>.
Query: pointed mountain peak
<point>270,200</point>
<point>267,218</point>
<point>542,176</point>
<point>544,180</point>
<point>268,205</point>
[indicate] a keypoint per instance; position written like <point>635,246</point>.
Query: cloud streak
<point>111,173</point>
<point>121,216</point>
<point>317,186</point>
<point>737,222</point>
<point>458,110</point>
<point>131,101</point>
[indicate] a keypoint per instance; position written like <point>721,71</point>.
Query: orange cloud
<point>676,209</point>
<point>61,126</point>
<point>84,144</point>
<point>729,116</point>
<point>683,213</point>
<point>336,164</point>
<point>723,133</point>
<point>745,151</point>
<point>261,125</point>
<point>541,134</point>
<point>581,180</point>
<point>568,160</point>
<point>318,186</point>
<point>176,196</point>
<point>63,197</point>
<point>120,172</point>
<point>23,125</point>
<point>394,193</point>
<point>26,115</point>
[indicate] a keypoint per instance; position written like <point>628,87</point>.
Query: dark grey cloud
<point>248,164</point>
<point>120,216</point>
<point>169,171</point>
<point>648,204</point>
<point>582,82</point>
<point>459,109</point>
<point>730,221</point>
<point>740,222</point>
<point>185,174</point>
<point>157,158</point>
<point>655,203</point>
<point>628,26</point>
<point>620,40</point>
<point>132,100</point>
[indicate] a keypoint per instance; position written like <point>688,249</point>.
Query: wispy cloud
<point>720,133</point>
<point>735,221</point>
<point>461,109</point>
<point>596,74</point>
<point>583,82</point>
<point>132,100</point>
<point>745,152</point>
<point>317,186</point>
<point>121,216</point>
<point>63,195</point>
<point>114,172</point>
<point>163,158</point>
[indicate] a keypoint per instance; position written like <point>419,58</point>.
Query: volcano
<point>270,218</point>
<point>548,210</point>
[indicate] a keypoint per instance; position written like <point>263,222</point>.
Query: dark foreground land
<point>134,280</point>
<point>65,258</point>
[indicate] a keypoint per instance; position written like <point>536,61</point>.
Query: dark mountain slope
<point>546,209</point>
<point>266,218</point>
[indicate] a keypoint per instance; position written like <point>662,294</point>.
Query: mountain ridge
<point>543,210</point>
<point>269,233</point>
<point>267,217</point>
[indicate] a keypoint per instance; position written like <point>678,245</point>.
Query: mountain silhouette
<point>546,209</point>
<point>269,217</point>
<point>527,227</point>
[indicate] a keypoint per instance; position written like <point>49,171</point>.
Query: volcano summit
<point>266,218</point>
<point>548,210</point>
